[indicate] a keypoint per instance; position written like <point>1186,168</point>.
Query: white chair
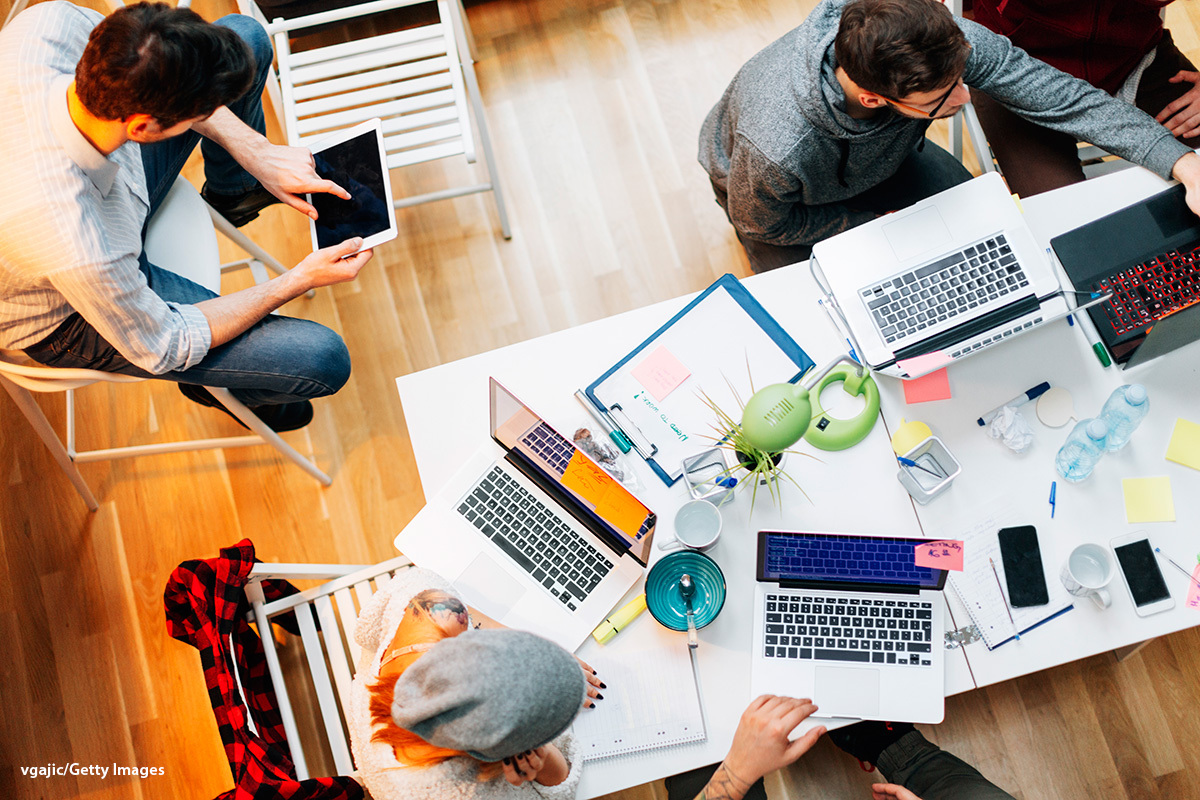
<point>179,238</point>
<point>416,79</point>
<point>331,653</point>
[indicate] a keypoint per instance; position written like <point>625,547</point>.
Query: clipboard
<point>725,341</point>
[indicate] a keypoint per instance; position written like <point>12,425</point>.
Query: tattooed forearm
<point>724,785</point>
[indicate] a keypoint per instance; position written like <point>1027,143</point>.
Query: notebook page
<point>978,588</point>
<point>651,702</point>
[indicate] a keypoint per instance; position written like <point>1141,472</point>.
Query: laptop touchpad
<point>916,232</point>
<point>847,692</point>
<point>488,586</point>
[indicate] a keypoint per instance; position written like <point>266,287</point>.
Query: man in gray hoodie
<point>825,128</point>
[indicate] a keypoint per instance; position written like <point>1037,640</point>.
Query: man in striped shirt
<point>100,115</point>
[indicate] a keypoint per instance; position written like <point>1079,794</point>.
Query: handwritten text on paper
<point>946,554</point>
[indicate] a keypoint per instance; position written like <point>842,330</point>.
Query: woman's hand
<point>594,684</point>
<point>545,765</point>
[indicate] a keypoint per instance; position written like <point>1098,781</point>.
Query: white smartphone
<point>355,160</point>
<point>1143,574</point>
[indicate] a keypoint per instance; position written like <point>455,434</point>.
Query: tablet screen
<point>355,166</point>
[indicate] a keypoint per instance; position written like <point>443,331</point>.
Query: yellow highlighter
<point>618,620</point>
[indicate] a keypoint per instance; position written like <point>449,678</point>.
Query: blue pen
<point>1053,489</point>
<point>908,462</point>
<point>853,354</point>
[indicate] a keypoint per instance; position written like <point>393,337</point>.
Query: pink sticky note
<point>660,372</point>
<point>925,363</point>
<point>934,386</point>
<point>946,554</point>
<point>1193,600</point>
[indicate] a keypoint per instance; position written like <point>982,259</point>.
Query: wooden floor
<point>595,107</point>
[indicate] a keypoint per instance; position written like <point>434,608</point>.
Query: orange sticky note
<point>660,372</point>
<point>946,554</point>
<point>934,386</point>
<point>1193,600</point>
<point>610,500</point>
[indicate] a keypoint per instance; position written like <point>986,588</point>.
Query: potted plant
<point>759,467</point>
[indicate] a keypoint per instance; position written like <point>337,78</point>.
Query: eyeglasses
<point>941,102</point>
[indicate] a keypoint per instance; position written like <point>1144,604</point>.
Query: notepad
<point>982,594</point>
<point>1185,444</point>
<point>652,701</point>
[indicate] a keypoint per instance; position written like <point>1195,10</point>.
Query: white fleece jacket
<point>379,771</point>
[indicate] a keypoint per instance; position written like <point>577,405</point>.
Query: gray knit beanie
<point>490,693</point>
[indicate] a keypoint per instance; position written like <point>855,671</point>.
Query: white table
<point>852,491</point>
<point>1092,511</point>
<point>857,490</point>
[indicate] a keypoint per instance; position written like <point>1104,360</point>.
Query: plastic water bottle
<point>1124,410</point>
<point>1078,456</point>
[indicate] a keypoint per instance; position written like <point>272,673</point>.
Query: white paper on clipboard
<point>725,349</point>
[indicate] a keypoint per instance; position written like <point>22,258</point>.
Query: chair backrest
<point>181,238</point>
<point>331,653</point>
<point>412,79</point>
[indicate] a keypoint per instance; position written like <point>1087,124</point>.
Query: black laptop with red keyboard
<point>1148,257</point>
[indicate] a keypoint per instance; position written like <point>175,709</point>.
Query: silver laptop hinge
<point>962,637</point>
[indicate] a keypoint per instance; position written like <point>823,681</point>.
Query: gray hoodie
<point>783,148</point>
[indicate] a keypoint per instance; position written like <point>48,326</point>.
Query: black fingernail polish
<point>508,761</point>
<point>599,697</point>
<point>603,685</point>
<point>591,705</point>
<point>593,672</point>
<point>528,752</point>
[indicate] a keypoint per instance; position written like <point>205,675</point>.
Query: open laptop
<point>953,274</point>
<point>852,622</point>
<point>531,531</point>
<point>1147,256</point>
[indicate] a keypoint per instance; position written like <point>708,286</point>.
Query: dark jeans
<point>912,762</point>
<point>1036,159</point>
<point>278,359</point>
<point>924,173</point>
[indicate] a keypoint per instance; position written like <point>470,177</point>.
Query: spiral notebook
<point>652,701</point>
<point>981,592</point>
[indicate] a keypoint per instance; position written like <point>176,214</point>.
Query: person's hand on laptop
<point>1187,172</point>
<point>760,744</point>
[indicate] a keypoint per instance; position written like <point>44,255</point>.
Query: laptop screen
<point>568,475</point>
<point>851,560</point>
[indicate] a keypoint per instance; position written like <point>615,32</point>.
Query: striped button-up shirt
<point>70,217</point>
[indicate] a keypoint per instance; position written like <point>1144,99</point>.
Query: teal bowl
<point>664,599</point>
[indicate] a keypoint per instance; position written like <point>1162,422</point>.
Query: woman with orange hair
<point>443,707</point>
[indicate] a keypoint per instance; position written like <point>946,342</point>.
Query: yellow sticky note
<point>1148,499</point>
<point>1185,444</point>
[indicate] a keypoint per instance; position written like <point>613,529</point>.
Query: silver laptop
<point>851,622</point>
<point>953,274</point>
<point>531,531</point>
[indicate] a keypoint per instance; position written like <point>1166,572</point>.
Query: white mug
<point>1088,570</point>
<point>697,527</point>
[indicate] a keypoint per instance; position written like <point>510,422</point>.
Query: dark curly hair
<point>167,62</point>
<point>897,47</point>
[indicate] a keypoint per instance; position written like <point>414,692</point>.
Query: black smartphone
<point>1023,567</point>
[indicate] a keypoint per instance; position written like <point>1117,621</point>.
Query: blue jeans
<point>924,173</point>
<point>278,359</point>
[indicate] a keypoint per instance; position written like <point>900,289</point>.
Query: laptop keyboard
<point>913,301</point>
<point>533,536</point>
<point>1147,292</point>
<point>548,444</point>
<point>822,628</point>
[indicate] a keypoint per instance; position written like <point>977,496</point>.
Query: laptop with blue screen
<point>852,622</point>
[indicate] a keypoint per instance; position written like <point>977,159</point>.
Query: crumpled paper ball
<point>1011,429</point>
